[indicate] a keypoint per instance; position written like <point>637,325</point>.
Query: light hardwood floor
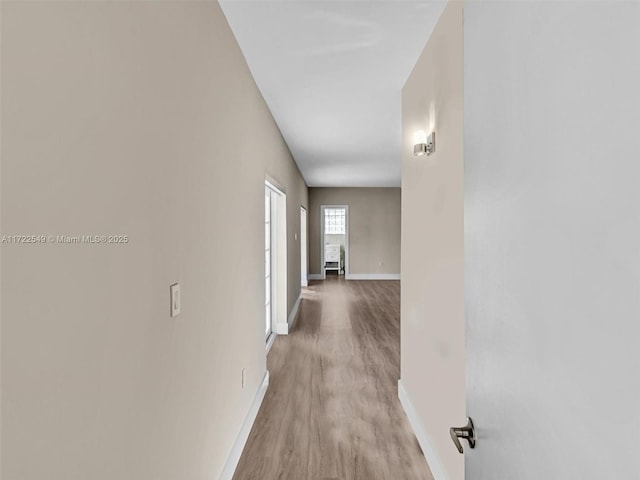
<point>332,408</point>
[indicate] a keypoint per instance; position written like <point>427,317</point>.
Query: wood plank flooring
<point>332,410</point>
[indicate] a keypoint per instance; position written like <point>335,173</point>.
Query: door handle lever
<point>467,432</point>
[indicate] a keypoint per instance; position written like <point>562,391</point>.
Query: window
<point>334,221</point>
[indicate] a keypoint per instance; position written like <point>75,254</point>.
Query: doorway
<point>275,260</point>
<point>304,282</point>
<point>334,239</point>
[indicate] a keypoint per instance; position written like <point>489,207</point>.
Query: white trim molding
<point>428,447</point>
<point>236,450</point>
<point>347,263</point>
<point>316,276</point>
<point>304,246</point>
<point>285,328</point>
<point>281,328</point>
<point>294,313</point>
<point>270,340</point>
<point>372,276</point>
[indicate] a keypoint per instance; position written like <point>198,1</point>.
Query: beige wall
<point>374,227</point>
<point>432,310</point>
<point>140,119</point>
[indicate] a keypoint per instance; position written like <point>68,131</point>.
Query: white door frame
<point>304,261</point>
<point>346,239</point>
<point>279,260</point>
<point>269,272</point>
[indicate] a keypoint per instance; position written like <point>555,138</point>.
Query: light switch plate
<point>175,299</point>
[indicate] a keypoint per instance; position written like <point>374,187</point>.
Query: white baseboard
<point>360,276</point>
<point>236,451</point>
<point>281,328</point>
<point>270,340</point>
<point>372,276</point>
<point>294,313</point>
<point>424,439</point>
<point>285,328</point>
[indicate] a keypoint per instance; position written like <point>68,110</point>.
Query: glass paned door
<point>269,225</point>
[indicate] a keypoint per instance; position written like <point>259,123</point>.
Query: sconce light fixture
<point>424,144</point>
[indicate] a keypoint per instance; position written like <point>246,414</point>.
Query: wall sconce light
<point>424,144</point>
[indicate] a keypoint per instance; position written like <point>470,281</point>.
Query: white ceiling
<point>332,72</point>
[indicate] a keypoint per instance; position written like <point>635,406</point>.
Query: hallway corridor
<point>332,410</point>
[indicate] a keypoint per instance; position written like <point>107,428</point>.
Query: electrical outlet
<point>380,263</point>
<point>244,375</point>
<point>175,299</point>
